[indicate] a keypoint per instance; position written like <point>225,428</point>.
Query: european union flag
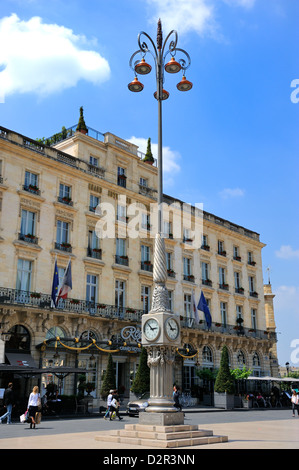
<point>55,285</point>
<point>203,306</point>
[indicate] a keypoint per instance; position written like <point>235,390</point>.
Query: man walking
<point>8,401</point>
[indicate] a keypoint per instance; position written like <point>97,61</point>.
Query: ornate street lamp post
<point>160,327</point>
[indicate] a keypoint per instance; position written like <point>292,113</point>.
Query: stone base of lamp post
<point>161,419</point>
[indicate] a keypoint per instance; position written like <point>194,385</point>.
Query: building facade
<point>54,203</point>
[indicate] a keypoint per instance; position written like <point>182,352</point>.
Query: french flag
<point>66,285</point>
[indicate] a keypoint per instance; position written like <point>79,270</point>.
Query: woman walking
<point>33,405</point>
<point>295,403</point>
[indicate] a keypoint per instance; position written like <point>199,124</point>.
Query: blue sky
<point>230,143</point>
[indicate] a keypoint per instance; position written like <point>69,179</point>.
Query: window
<point>120,292</point>
<point>121,247</point>
<point>121,213</point>
<point>121,257</point>
<point>145,298</point>
<point>187,305</point>
<point>168,229</point>
<point>250,258</point>
<point>253,319</point>
<point>24,270</point>
<point>62,232</point>
<point>91,288</point>
<point>64,192</point>
<point>31,180</point>
<point>27,223</point>
<point>223,311</point>
<point>93,161</point>
<point>121,177</point>
<point>237,281</point>
<point>145,222</point>
<point>187,266</point>
<point>204,243</point>
<point>236,253</point>
<point>251,284</point>
<point>222,282</point>
<point>239,311</point>
<point>241,359</point>
<point>146,264</point>
<point>169,261</point>
<point>93,249</point>
<point>221,250</point>
<point>145,253</point>
<point>204,271</point>
<point>186,236</point>
<point>207,356</point>
<point>143,182</point>
<point>93,202</point>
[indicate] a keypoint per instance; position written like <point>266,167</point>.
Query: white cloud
<point>45,58</point>
<point>183,15</point>
<point>287,252</point>
<point>187,16</point>
<point>170,157</point>
<point>232,192</point>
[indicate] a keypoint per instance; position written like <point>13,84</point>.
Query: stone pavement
<point>273,429</point>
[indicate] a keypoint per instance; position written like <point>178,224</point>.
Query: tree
<point>149,156</point>
<point>224,380</point>
<point>241,374</point>
<point>81,123</point>
<point>141,382</point>
<point>109,379</point>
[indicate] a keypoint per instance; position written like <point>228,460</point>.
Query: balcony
<point>67,247</point>
<point>170,273</point>
<point>223,286</point>
<point>38,300</point>
<point>237,258</point>
<point>28,238</point>
<point>95,253</point>
<point>226,329</point>
<point>189,277</point>
<point>221,252</point>
<point>239,290</point>
<point>65,200</point>
<point>31,189</point>
<point>205,247</point>
<point>253,294</point>
<point>206,282</point>
<point>122,259</point>
<point>146,266</point>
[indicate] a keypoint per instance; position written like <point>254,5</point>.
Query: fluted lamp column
<point>161,334</point>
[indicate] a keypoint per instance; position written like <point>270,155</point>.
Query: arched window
<point>207,357</point>
<point>241,359</point>
<point>19,339</point>
<point>55,331</point>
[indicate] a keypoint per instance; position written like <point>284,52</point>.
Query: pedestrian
<point>8,401</point>
<point>295,403</point>
<point>176,397</point>
<point>109,399</point>
<point>33,405</point>
<point>115,407</point>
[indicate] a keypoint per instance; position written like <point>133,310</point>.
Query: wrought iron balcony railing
<point>122,259</point>
<point>226,329</point>
<point>94,253</point>
<point>43,301</point>
<point>28,238</point>
<point>146,266</point>
<point>63,247</point>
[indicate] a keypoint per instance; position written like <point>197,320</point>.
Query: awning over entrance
<point>21,360</point>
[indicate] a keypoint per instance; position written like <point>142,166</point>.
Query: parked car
<point>134,407</point>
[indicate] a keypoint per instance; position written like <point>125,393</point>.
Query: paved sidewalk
<point>245,430</point>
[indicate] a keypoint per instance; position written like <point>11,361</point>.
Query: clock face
<point>151,329</point>
<point>172,328</point>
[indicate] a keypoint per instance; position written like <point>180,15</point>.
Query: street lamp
<point>161,334</point>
